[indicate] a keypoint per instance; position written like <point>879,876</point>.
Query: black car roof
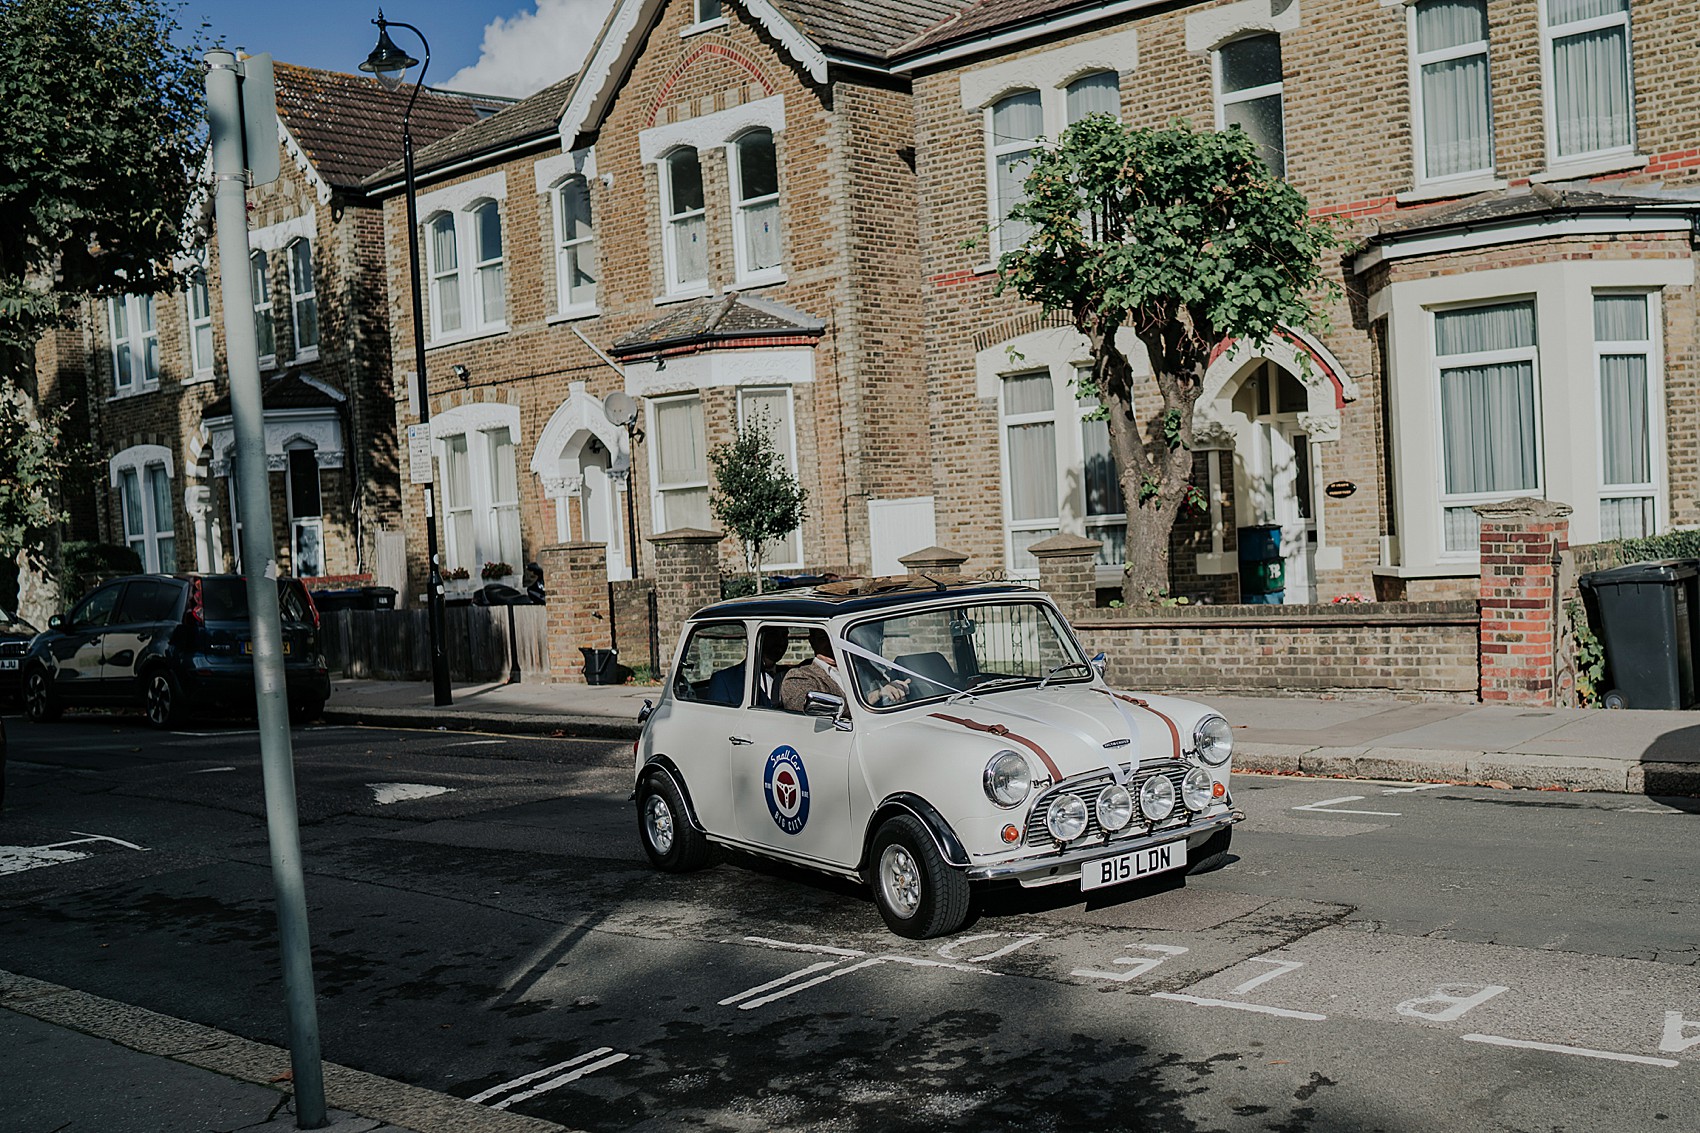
<point>854,596</point>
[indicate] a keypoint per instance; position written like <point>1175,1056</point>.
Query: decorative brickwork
<point>1522,541</point>
<point>687,572</point>
<point>934,562</point>
<point>1068,571</point>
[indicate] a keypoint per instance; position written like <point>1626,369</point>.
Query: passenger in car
<point>727,685</point>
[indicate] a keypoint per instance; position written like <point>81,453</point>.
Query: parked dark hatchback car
<point>171,645</point>
<point>15,635</point>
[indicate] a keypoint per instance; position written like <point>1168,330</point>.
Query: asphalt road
<point>1377,957</point>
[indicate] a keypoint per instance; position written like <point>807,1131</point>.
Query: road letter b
<point>1452,1001</point>
<point>1677,1037</point>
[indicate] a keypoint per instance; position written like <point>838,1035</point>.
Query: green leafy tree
<point>101,145</point>
<point>755,496</point>
<point>1182,238</point>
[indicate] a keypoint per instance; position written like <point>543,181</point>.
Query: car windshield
<point>10,623</point>
<point>226,600</point>
<point>971,649</point>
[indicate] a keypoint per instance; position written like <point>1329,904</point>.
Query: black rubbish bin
<point>355,598</point>
<point>601,666</point>
<point>1263,573</point>
<point>1647,625</point>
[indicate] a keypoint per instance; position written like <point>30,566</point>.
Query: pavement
<point>1580,749</point>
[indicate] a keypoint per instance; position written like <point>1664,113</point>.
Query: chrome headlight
<point>1066,818</point>
<point>1115,807</point>
<point>1157,798</point>
<point>1008,779</point>
<point>1213,740</point>
<point>1198,789</point>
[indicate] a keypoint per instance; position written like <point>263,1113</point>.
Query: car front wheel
<point>918,894</point>
<point>1212,853</point>
<point>672,843</point>
<point>162,699</point>
<point>39,700</point>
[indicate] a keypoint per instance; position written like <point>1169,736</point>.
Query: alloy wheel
<point>900,880</point>
<point>159,700</point>
<point>658,823</point>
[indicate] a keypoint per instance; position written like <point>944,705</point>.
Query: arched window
<point>487,262</point>
<point>684,219</point>
<point>264,333</point>
<point>142,475</point>
<point>306,525</point>
<point>1096,93</point>
<point>444,269</point>
<point>755,196</point>
<point>575,245</point>
<point>1248,94</point>
<point>200,323</point>
<point>135,343</point>
<point>1015,123</point>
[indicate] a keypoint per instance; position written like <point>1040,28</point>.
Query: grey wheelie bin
<point>1647,617</point>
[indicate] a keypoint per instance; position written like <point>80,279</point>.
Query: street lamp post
<point>388,64</point>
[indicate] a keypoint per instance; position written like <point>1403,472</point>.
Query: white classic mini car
<point>922,737</point>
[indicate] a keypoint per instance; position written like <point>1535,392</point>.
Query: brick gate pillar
<point>575,584</point>
<point>1068,571</point>
<point>687,578</point>
<point>935,562</point>
<point>1520,547</point>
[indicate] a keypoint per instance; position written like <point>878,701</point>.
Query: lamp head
<point>387,63</point>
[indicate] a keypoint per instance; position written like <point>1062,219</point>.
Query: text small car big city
<point>923,737</point>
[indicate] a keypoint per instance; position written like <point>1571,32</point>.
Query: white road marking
<point>1282,967</point>
<point>1582,1051</point>
<point>793,946</point>
<point>210,770</point>
<point>1332,809</point>
<point>1141,964</point>
<point>1236,1005</point>
<point>104,838</point>
<point>1021,941</point>
<point>780,982</point>
<point>1418,787</point>
<point>1460,998</point>
<point>16,859</point>
<point>923,962</point>
<point>553,1083</point>
<point>475,743</point>
<point>806,984</point>
<point>217,735</point>
<point>1676,1038</point>
<point>385,793</point>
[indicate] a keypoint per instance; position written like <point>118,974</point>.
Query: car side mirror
<point>830,706</point>
<point>1100,663</point>
<point>58,621</point>
<point>646,711</point>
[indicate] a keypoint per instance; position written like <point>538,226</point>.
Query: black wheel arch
<point>949,846</point>
<point>661,765</point>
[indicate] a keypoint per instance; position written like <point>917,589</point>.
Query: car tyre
<point>918,894</point>
<point>664,827</point>
<point>306,711</point>
<point>1212,854</point>
<point>40,703</point>
<point>162,698</point>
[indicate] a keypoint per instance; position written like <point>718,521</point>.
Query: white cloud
<point>522,54</point>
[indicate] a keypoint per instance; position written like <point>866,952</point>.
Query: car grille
<point>14,648</point>
<point>1039,837</point>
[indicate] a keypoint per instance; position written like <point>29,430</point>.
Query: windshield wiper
<point>1063,668</point>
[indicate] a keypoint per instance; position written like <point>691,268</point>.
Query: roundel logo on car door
<point>786,787</point>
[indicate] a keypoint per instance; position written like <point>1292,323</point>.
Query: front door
<point>599,511</point>
<point>78,653</point>
<point>1279,469</point>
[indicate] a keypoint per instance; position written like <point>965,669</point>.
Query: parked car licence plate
<point>248,647</point>
<point>8,663</point>
<point>1133,864</point>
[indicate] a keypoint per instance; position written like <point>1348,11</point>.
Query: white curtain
<point>504,497</point>
<point>1630,517</point>
<point>1456,134</point>
<point>1033,471</point>
<point>1017,121</point>
<point>159,487</point>
<point>1620,318</point>
<point>1098,93</point>
<point>457,500</point>
<point>1473,330</point>
<point>1488,422</point>
<point>490,269</point>
<point>1590,79</point>
<point>761,235</point>
<point>445,278</point>
<point>681,459</point>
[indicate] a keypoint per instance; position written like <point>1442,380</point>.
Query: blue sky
<point>492,46</point>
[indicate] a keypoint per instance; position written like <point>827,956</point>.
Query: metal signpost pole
<point>225,112</point>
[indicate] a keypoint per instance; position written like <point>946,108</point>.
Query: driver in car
<point>821,675</point>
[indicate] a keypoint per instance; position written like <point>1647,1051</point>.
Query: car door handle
<point>739,740</point>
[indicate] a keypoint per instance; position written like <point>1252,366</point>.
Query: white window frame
<point>485,509</point>
<point>468,273</point>
<point>575,246</point>
<point>1652,348</point>
<point>701,22</point>
<point>671,222</point>
<point>151,533</point>
<point>794,540</point>
<point>1225,99</point>
<point>658,494</point>
<point>1549,113</point>
<point>741,205</point>
<point>1440,362</point>
<point>139,336</point>
<point>485,267</point>
<point>999,211</point>
<point>200,363</point>
<point>262,288</point>
<point>1107,519</point>
<point>1419,60</point>
<point>1006,422</point>
<point>299,298</point>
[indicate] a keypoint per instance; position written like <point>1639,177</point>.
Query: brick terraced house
<point>150,370</point>
<point>744,206</point>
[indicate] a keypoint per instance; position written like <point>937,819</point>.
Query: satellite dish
<point>620,409</point>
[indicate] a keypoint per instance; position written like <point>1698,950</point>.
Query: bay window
<point>680,457</point>
<point>770,406</point>
<point>480,482</point>
<point>1030,465</point>
<point>144,500</point>
<point>1625,362</point>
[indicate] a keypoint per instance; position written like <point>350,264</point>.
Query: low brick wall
<point>1412,650</point>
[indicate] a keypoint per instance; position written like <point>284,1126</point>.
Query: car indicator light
<point>1218,791</point>
<point>1011,835</point>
